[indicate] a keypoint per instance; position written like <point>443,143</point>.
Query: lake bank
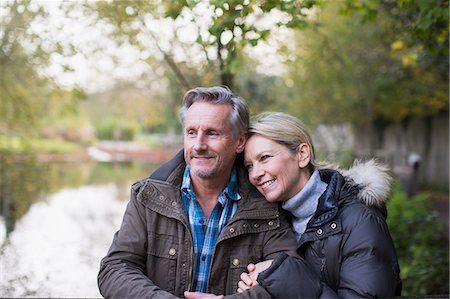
<point>114,151</point>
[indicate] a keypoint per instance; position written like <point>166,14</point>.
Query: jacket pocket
<point>162,255</point>
<point>238,264</point>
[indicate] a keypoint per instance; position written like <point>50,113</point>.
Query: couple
<point>198,222</point>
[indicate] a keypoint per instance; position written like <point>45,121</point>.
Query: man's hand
<point>249,279</point>
<point>199,295</point>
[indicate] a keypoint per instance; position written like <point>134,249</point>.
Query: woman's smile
<point>272,168</point>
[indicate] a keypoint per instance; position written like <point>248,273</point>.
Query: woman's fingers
<point>242,286</point>
<point>246,279</point>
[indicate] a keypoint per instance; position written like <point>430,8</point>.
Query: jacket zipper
<point>322,266</point>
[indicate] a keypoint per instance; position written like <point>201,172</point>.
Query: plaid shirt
<point>205,234</point>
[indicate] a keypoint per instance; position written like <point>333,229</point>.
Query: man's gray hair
<point>239,119</point>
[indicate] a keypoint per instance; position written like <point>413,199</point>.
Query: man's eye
<point>190,133</point>
<point>212,133</point>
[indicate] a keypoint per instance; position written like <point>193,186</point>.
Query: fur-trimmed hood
<point>373,180</point>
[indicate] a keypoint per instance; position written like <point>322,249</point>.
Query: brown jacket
<point>152,254</point>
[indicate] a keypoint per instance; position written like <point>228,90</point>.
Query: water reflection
<point>54,249</point>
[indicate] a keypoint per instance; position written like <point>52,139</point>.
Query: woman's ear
<point>304,155</point>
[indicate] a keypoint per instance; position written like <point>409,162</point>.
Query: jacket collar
<point>170,175</point>
<point>327,207</point>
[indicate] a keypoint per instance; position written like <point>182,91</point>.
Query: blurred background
<point>89,99</point>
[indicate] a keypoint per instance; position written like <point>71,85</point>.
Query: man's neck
<point>207,191</point>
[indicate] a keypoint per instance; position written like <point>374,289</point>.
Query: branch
<point>167,58</point>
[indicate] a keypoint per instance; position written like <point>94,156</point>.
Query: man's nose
<point>199,143</point>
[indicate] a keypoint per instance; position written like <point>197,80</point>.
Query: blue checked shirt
<point>205,234</point>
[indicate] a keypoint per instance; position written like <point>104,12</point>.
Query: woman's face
<point>273,169</point>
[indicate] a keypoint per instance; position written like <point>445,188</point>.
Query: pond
<point>54,235</point>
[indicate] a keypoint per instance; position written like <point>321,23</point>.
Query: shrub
<point>114,129</point>
<point>421,246</point>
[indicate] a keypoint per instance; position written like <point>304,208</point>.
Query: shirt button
<point>256,225</point>
<point>319,231</point>
<point>172,251</point>
<point>203,257</point>
<point>244,225</point>
<point>161,197</point>
<point>174,203</point>
<point>231,230</point>
<point>236,262</point>
<point>333,225</point>
<point>270,223</point>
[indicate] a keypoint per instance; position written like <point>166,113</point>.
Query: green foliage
<point>262,93</point>
<point>27,97</point>
<point>422,24</point>
<point>231,25</point>
<point>418,39</point>
<point>19,145</point>
<point>421,247</point>
<point>117,129</point>
<point>375,70</point>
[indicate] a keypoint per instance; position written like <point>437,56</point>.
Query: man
<point>196,222</point>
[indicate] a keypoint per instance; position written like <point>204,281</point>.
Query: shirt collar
<point>231,190</point>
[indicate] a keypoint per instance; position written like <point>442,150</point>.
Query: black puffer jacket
<point>346,250</point>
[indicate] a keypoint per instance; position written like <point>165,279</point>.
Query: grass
<point>38,145</point>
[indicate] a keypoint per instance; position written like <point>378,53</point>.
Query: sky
<point>93,70</point>
<point>99,62</point>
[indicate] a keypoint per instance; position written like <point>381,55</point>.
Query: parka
<point>346,250</point>
<point>152,254</point>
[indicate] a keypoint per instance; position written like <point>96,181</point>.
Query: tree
<point>421,27</point>
<point>28,100</point>
<point>220,29</point>
<point>418,43</point>
<point>27,96</point>
<point>357,72</point>
<point>234,26</point>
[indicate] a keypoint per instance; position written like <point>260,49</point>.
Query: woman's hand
<point>199,295</point>
<point>249,279</point>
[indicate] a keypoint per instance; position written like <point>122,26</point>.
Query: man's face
<point>209,147</point>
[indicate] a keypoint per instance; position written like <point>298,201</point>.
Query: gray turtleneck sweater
<point>304,204</point>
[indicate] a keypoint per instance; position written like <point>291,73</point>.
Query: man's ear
<point>241,143</point>
<point>304,155</point>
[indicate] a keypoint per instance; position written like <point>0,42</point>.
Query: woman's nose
<point>257,173</point>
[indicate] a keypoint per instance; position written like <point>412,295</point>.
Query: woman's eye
<point>248,167</point>
<point>264,157</point>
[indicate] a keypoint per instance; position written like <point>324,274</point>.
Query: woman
<point>339,221</point>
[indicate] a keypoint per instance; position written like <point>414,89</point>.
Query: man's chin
<point>202,172</point>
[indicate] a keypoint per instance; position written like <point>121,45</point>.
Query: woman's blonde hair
<point>284,129</point>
